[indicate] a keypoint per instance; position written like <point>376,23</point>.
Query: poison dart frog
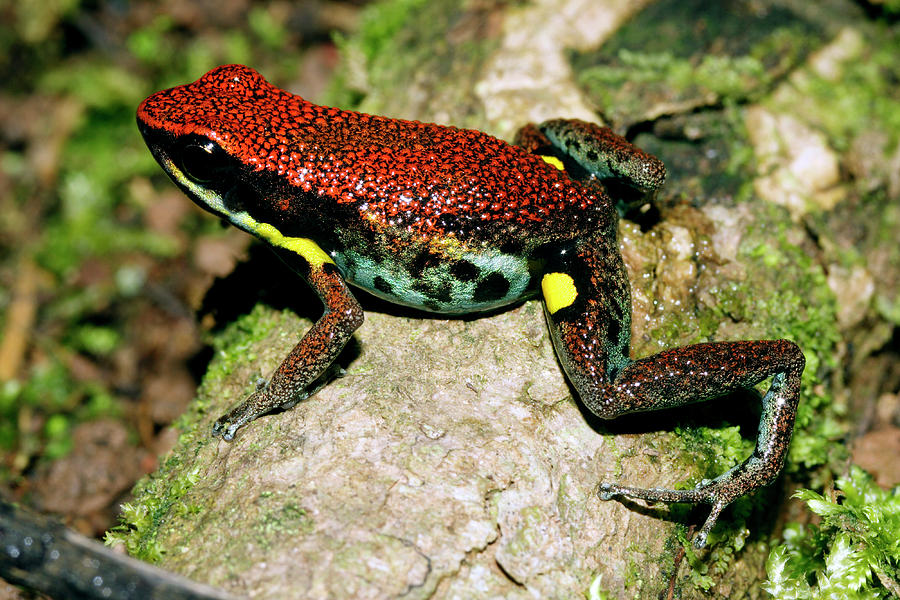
<point>455,221</point>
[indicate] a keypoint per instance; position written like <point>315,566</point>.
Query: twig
<point>42,555</point>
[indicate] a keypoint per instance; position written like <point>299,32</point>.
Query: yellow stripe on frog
<point>305,247</point>
<point>559,291</point>
<point>552,160</point>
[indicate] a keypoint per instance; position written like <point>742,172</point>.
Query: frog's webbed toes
<point>712,492</point>
<point>227,425</point>
<point>222,428</point>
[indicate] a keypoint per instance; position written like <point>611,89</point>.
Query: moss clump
<point>863,99</point>
<point>723,76</point>
<point>786,294</point>
<point>662,57</point>
<point>158,499</point>
<point>51,394</point>
<point>435,41</point>
<point>281,516</point>
<point>165,494</point>
<point>384,31</point>
<point>853,553</point>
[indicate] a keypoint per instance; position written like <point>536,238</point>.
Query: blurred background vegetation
<point>101,271</point>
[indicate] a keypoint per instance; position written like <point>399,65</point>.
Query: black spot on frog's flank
<point>614,330</point>
<point>463,270</point>
<point>493,287</point>
<point>422,261</point>
<point>432,305</point>
<point>591,156</point>
<point>382,285</point>
<point>440,292</point>
<point>510,246</point>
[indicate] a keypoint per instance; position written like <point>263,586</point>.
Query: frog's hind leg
<point>587,304</point>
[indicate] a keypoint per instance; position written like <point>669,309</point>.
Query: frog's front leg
<point>588,307</point>
<point>313,353</point>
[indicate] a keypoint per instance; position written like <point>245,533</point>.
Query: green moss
<point>95,339</point>
<point>236,341</point>
<point>57,431</point>
<point>714,451</point>
<point>884,242</point>
<point>785,295</point>
<point>280,517</point>
<point>268,28</point>
<point>724,76</point>
<point>398,38</point>
<point>853,553</point>
<point>157,499</point>
<point>165,493</point>
<point>49,392</point>
<point>635,572</point>
<point>380,25</point>
<point>863,98</point>
<point>711,567</point>
<point>662,57</point>
<point>382,22</point>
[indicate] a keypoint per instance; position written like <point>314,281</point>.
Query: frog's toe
<point>703,534</point>
<point>225,430</point>
<point>608,491</point>
<point>227,425</point>
<point>714,492</point>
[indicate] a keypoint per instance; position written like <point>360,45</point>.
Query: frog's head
<point>215,136</point>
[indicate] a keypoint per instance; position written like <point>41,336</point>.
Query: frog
<point>455,221</point>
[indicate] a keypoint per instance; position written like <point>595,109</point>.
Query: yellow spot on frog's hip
<point>559,291</point>
<point>305,247</point>
<point>552,160</point>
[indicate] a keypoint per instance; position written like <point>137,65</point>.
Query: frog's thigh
<point>588,307</point>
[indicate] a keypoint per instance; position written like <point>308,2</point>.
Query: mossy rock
<point>452,459</point>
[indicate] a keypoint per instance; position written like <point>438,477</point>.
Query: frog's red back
<point>395,170</point>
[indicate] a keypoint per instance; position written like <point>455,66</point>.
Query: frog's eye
<point>203,161</point>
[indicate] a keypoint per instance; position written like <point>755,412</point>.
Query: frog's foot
<point>263,401</point>
<point>256,405</point>
<point>718,493</point>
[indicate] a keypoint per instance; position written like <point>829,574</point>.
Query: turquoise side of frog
<point>455,221</point>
